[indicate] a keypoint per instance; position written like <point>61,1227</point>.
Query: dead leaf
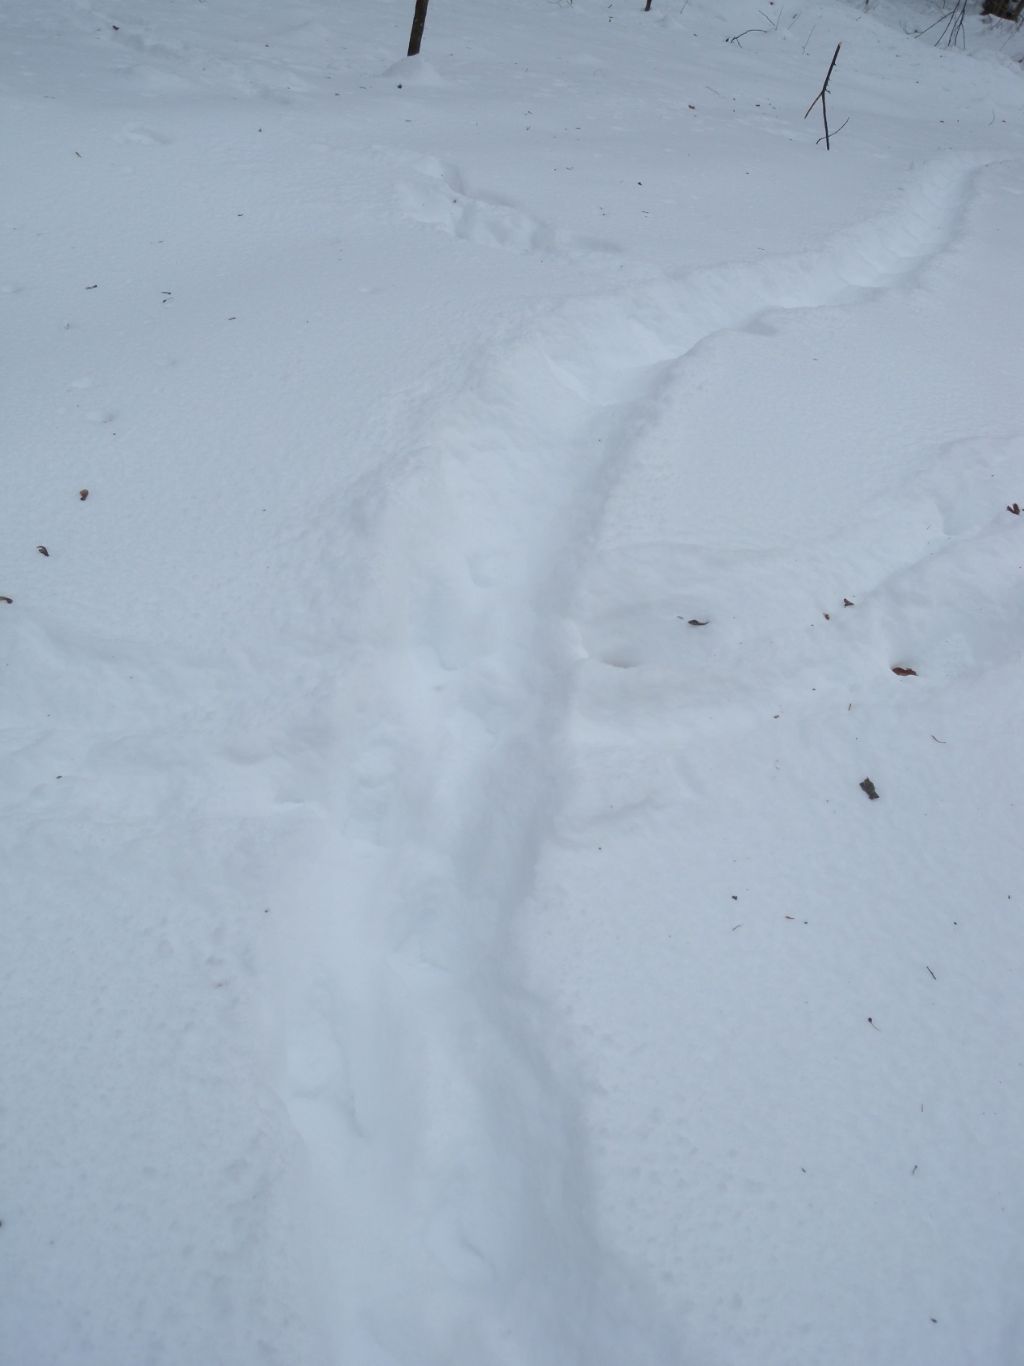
<point>903,672</point>
<point>826,616</point>
<point>1014,508</point>
<point>694,622</point>
<point>847,602</point>
<point>83,494</point>
<point>868,786</point>
<point>43,550</point>
<point>3,598</point>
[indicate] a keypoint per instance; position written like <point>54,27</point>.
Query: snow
<point>422,943</point>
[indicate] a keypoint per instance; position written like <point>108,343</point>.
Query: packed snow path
<point>446,922</point>
<point>452,787</point>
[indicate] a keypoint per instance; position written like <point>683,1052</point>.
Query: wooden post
<point>418,20</point>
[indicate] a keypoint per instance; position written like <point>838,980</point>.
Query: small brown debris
<point>931,974</point>
<point>826,616</point>
<point>868,786</point>
<point>902,671</point>
<point>847,602</point>
<point>4,598</point>
<point>1014,508</point>
<point>694,622</point>
<point>871,1022</point>
<point>43,550</point>
<point>83,494</point>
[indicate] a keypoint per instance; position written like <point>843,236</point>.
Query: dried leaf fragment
<point>83,494</point>
<point>902,671</point>
<point>847,602</point>
<point>1014,508</point>
<point>694,622</point>
<point>4,598</point>
<point>43,550</point>
<point>868,786</point>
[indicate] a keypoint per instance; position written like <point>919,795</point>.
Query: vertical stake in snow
<point>821,96</point>
<point>418,21</point>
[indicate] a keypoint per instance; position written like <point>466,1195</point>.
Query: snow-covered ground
<point>442,919</point>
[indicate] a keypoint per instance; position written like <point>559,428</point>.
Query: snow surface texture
<point>442,921</point>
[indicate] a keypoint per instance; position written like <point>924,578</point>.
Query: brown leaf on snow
<point>43,550</point>
<point>83,494</point>
<point>1014,508</point>
<point>903,671</point>
<point>868,786</point>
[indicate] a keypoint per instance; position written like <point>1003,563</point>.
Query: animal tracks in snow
<point>438,195</point>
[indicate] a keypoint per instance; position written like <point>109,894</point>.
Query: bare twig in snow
<point>835,132</point>
<point>822,93</point>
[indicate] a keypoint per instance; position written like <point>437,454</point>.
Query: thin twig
<point>953,32</point>
<point>821,96</point>
<point>835,132</point>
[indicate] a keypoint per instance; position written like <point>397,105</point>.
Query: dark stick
<point>418,21</point>
<point>821,96</point>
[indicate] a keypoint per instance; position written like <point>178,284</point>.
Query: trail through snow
<point>538,460</point>
<point>444,925</point>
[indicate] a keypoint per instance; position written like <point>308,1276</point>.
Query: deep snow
<point>420,943</point>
